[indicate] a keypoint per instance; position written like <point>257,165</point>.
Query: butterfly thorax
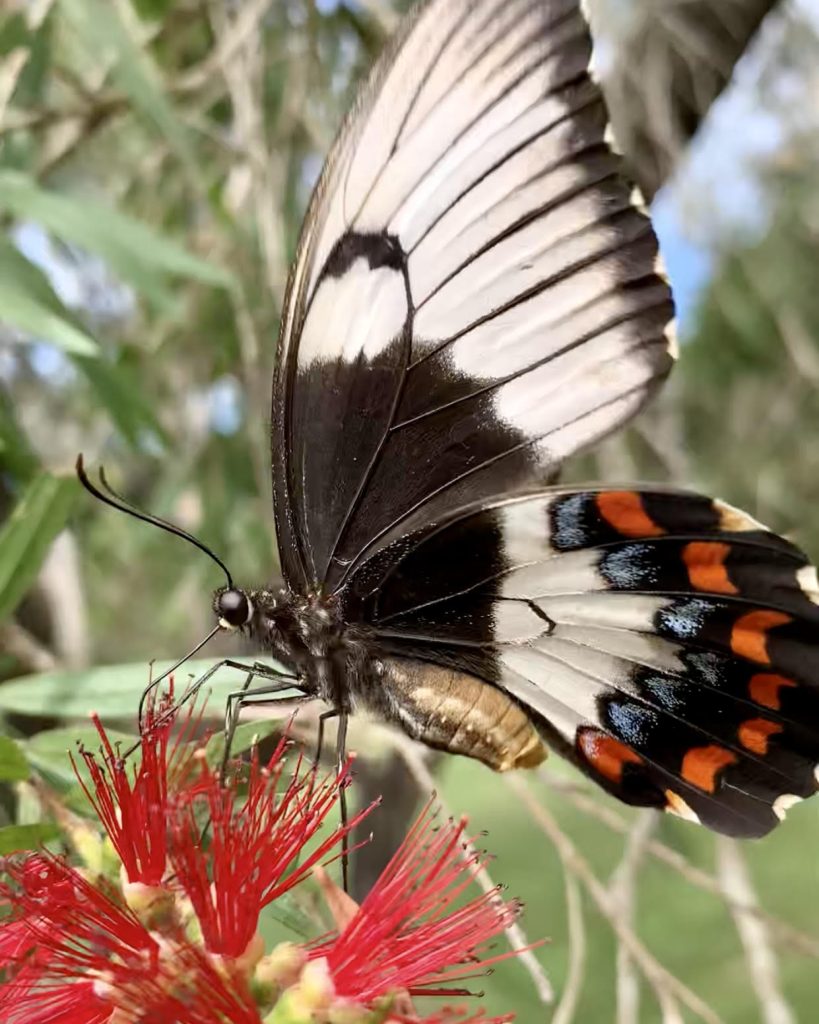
<point>308,635</point>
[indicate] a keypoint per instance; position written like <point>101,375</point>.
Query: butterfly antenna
<point>110,497</point>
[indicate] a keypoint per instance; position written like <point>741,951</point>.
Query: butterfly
<point>476,296</point>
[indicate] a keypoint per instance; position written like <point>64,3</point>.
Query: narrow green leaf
<point>25,538</point>
<point>243,739</point>
<point>136,252</point>
<point>49,751</point>
<point>29,303</point>
<point>99,25</point>
<point>13,764</point>
<point>113,691</point>
<point>17,457</point>
<point>124,399</point>
<point>16,838</point>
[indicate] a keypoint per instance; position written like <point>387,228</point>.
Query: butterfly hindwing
<point>662,641</point>
<point>475,295</point>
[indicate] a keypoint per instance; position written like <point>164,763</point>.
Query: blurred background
<point>156,157</point>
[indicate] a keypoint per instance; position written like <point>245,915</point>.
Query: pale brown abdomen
<point>459,713</point>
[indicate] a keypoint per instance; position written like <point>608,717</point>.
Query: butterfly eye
<point>233,608</point>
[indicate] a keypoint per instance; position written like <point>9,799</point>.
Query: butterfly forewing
<point>475,295</point>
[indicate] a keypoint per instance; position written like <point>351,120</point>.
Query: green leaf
<point>113,691</point>
<point>49,751</point>
<point>16,838</point>
<point>25,538</point>
<point>99,25</point>
<point>13,764</point>
<point>17,457</point>
<point>136,252</point>
<point>244,737</point>
<point>124,399</point>
<point>29,303</point>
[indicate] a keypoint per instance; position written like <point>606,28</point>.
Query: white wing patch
<point>356,315</point>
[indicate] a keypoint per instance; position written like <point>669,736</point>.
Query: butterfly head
<point>233,607</point>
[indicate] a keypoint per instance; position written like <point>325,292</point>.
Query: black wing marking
<point>476,293</point>
<point>665,643</point>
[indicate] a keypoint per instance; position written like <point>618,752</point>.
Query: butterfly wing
<point>663,642</point>
<point>475,294</point>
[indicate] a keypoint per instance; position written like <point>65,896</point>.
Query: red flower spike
<point>407,934</point>
<point>133,805</point>
<point>76,927</point>
<point>21,1002</point>
<point>257,847</point>
<point>201,992</point>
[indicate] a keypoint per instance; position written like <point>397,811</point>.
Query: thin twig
<point>29,654</point>
<point>787,934</point>
<point>623,890</point>
<point>762,963</point>
<point>667,987</point>
<point>514,933</point>
<point>567,1007</point>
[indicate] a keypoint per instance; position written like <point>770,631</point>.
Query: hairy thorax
<point>344,666</point>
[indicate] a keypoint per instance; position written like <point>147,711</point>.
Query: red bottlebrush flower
<point>171,936</point>
<point>69,933</point>
<point>257,847</point>
<point>409,934</point>
<point>74,926</point>
<point>133,805</point>
<point>76,1002</point>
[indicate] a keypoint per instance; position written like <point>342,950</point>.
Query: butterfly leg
<point>341,757</point>
<point>247,697</point>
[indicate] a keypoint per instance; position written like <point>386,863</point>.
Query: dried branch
<point>30,655</point>
<point>753,933</point>
<point>623,890</point>
<point>794,938</point>
<point>564,1014</point>
<point>668,989</point>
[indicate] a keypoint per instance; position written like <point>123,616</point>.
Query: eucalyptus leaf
<point>112,691</point>
<point>25,538</point>
<point>134,250</point>
<point>17,838</point>
<point>13,764</point>
<point>50,751</point>
<point>29,303</point>
<point>244,737</point>
<point>102,30</point>
<point>124,401</point>
<point>16,454</point>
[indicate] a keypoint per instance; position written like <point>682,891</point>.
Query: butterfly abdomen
<point>456,712</point>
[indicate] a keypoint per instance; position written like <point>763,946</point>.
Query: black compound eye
<point>233,607</point>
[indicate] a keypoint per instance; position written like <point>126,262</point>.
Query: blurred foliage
<point>155,160</point>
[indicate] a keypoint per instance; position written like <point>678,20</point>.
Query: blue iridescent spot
<point>685,619</point>
<point>569,530</point>
<point>629,567</point>
<point>708,665</point>
<point>632,722</point>
<point>666,692</point>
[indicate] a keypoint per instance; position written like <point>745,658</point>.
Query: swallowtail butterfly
<point>476,296</point>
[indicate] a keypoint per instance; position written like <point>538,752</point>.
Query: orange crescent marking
<point>624,511</point>
<point>606,755</point>
<point>764,689</point>
<point>749,634</point>
<point>754,734</point>
<point>701,765</point>
<point>705,561</point>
